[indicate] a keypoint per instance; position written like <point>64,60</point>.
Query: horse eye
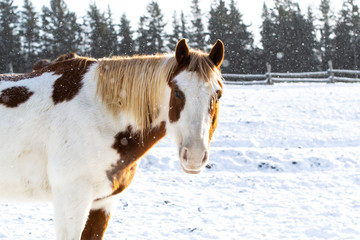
<point>218,95</point>
<point>177,94</point>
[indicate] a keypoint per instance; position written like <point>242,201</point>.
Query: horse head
<point>196,87</point>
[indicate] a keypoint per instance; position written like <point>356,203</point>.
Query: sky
<point>251,10</point>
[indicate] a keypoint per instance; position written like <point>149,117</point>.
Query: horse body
<point>65,138</point>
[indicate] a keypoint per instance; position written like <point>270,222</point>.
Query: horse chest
<point>130,147</point>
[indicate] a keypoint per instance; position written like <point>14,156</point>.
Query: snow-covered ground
<point>285,164</point>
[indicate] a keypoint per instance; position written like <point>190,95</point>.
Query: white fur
<point>61,152</point>
<point>191,131</point>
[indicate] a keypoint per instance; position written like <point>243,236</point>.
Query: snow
<point>285,164</point>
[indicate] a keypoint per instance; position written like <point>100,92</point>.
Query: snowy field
<point>285,164</point>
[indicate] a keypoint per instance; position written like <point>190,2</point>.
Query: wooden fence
<point>329,76</point>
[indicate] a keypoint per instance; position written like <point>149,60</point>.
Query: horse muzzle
<point>193,158</point>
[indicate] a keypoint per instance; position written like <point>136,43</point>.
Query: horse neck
<point>135,86</point>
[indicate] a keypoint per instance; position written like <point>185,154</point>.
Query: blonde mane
<point>135,84</point>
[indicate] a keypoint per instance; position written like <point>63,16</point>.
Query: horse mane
<point>136,84</point>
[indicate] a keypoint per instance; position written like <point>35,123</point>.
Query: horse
<point>46,62</point>
<point>73,131</point>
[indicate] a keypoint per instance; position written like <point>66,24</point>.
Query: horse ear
<point>217,53</point>
<point>181,51</point>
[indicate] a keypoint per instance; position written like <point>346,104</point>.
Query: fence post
<point>11,70</point>
<point>268,74</point>
<point>330,72</point>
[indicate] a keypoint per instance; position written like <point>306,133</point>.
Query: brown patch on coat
<point>41,64</point>
<point>96,225</point>
<point>131,147</point>
<point>176,103</point>
<point>177,97</point>
<point>18,77</point>
<point>68,85</point>
<point>66,56</point>
<point>14,96</point>
<point>46,62</point>
<point>214,112</point>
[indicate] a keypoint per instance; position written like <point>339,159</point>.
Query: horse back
<point>32,109</point>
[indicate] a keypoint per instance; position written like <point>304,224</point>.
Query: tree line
<point>291,41</point>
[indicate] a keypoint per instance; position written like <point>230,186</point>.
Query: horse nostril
<point>205,157</point>
<point>184,156</point>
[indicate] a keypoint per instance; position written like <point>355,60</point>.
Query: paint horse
<point>72,132</point>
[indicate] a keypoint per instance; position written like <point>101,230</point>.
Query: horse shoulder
<point>131,147</point>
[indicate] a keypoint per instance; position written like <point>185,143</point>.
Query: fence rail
<point>329,76</point>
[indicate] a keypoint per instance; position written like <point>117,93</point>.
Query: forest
<point>291,40</point>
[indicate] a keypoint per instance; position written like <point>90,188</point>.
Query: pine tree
<point>219,22</point>
<point>325,45</point>
<point>228,26</point>
<point>346,41</point>
<point>289,38</point>
<point>102,35</point>
<point>197,34</point>
<point>174,37</point>
<point>183,26</point>
<point>239,41</point>
<point>269,37</point>
<point>97,32</point>
<point>30,30</point>
<point>62,33</point>
<point>151,30</point>
<point>10,47</point>
<point>142,39</point>
<point>127,45</point>
<point>309,61</point>
<point>111,42</point>
<point>156,28</point>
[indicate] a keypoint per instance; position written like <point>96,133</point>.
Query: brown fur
<point>46,62</point>
<point>131,147</point>
<point>214,112</point>
<point>176,105</point>
<point>18,77</point>
<point>14,96</point>
<point>41,64</point>
<point>69,84</point>
<point>66,56</point>
<point>96,225</point>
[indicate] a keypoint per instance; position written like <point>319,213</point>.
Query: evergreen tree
<point>309,45</point>
<point>10,47</point>
<point>175,36</point>
<point>292,38</point>
<point>183,28</point>
<point>97,32</point>
<point>30,30</point>
<point>228,26</point>
<point>102,35</point>
<point>151,30</point>
<point>240,42</point>
<point>142,39</point>
<point>62,33</point>
<point>325,45</point>
<point>269,36</point>
<point>111,42</point>
<point>197,34</point>
<point>156,28</point>
<point>126,43</point>
<point>346,41</point>
<point>219,22</point>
